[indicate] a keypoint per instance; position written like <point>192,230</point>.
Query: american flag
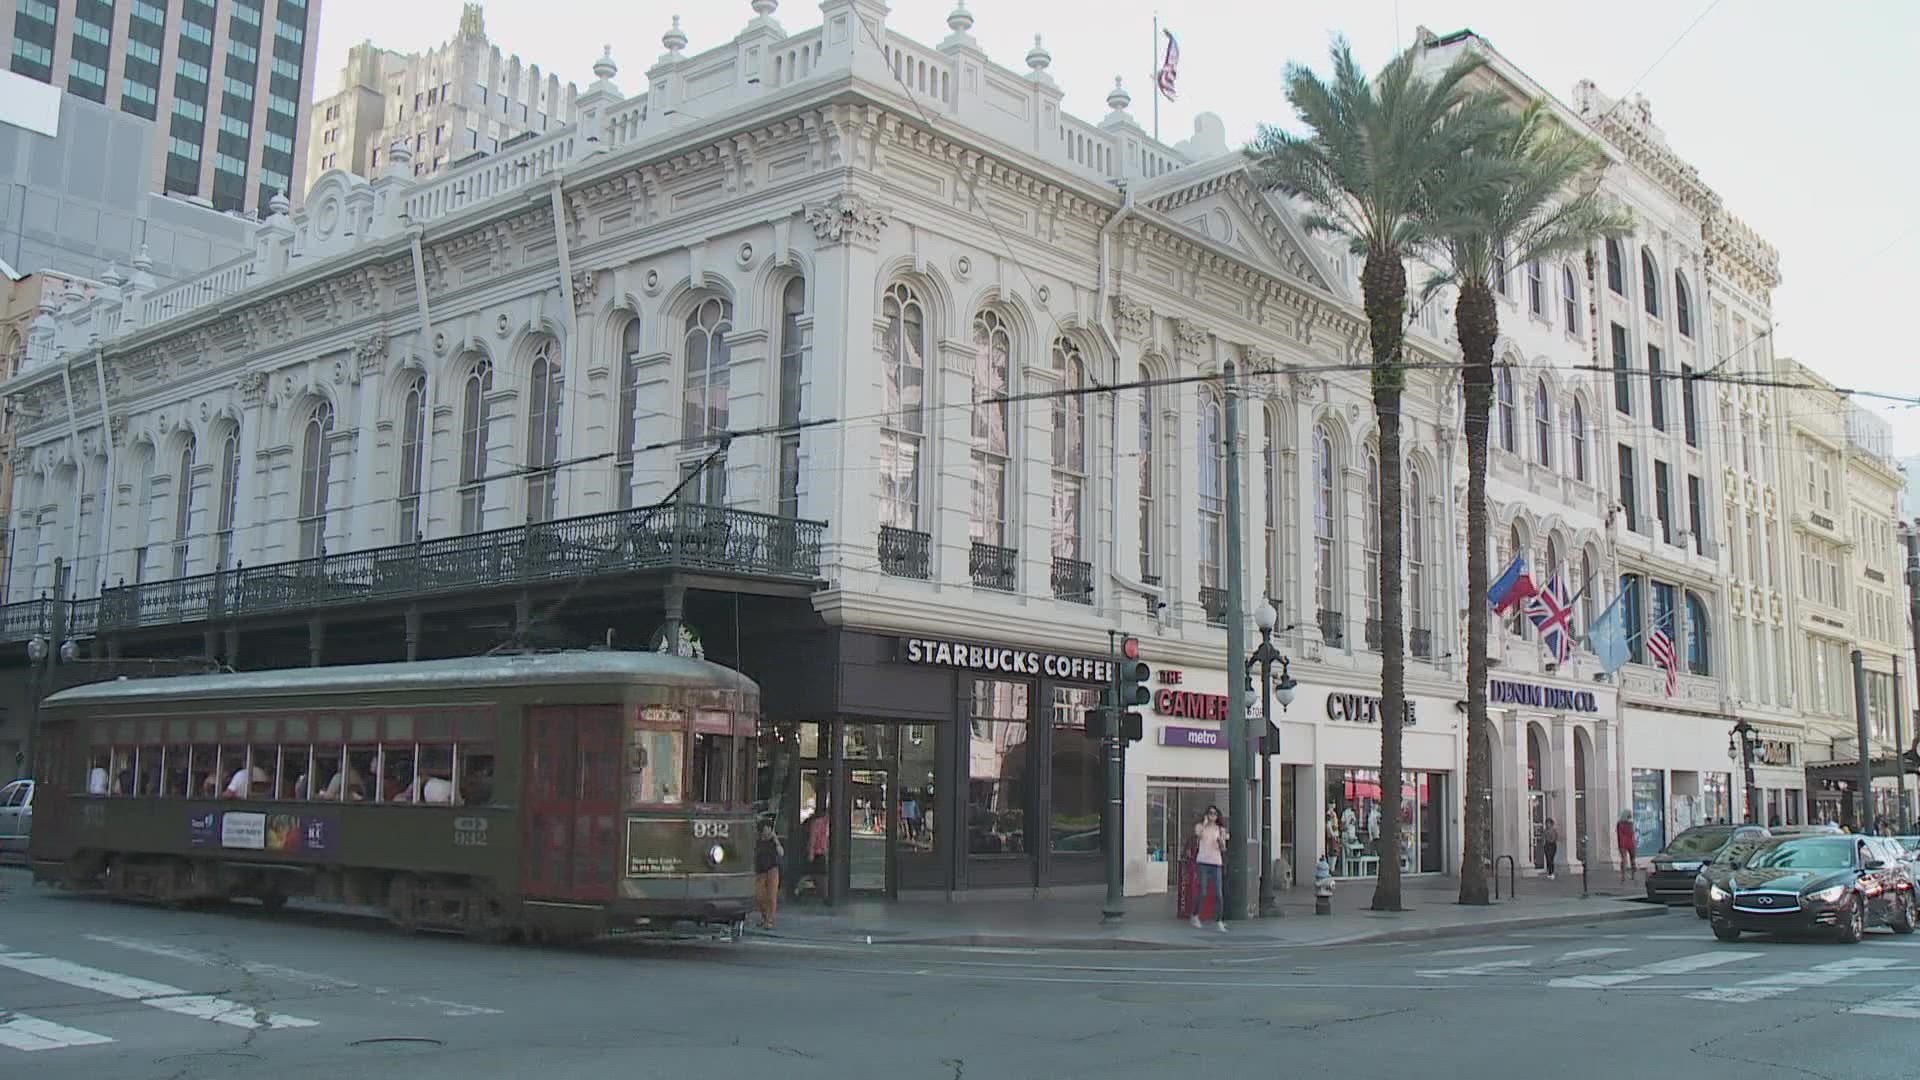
<point>1660,647</point>
<point>1551,612</point>
<point>1169,67</point>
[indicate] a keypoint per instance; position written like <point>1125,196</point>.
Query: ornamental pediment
<point>1226,209</point>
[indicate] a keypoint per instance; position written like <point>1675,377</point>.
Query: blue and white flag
<point>1607,636</point>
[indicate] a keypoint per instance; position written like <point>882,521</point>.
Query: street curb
<point>1224,942</point>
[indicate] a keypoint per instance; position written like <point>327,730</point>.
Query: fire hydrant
<point>1322,888</point>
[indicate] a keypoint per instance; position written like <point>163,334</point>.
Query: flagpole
<point>1153,74</point>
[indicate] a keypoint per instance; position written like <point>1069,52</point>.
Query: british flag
<point>1551,612</point>
<point>1660,647</point>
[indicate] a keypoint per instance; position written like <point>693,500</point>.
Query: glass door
<point>869,858</point>
<point>915,849</point>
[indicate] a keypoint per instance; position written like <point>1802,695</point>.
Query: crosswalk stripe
<point>1491,967</point>
<point>19,1031</point>
<point>1679,965</point>
<point>1481,949</point>
<point>1904,1005</point>
<point>1787,981</point>
<point>161,996</point>
<point>1588,954</point>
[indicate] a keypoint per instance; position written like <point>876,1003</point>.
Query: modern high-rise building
<point>459,98</point>
<point>227,80</point>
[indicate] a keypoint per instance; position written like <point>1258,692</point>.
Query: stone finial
<point>278,205</point>
<point>1038,58</point>
<point>142,261</point>
<point>764,9</point>
<point>113,279</point>
<point>1117,98</point>
<point>75,295</point>
<point>960,20</point>
<point>675,39</point>
<point>604,68</point>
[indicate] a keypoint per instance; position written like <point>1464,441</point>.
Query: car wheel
<point>1855,927</point>
<point>1700,911</point>
<point>1903,920</point>
<point>1725,932</point>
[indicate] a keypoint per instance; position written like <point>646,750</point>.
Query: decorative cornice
<point>847,217</point>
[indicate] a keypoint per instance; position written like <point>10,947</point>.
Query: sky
<point>1793,114</point>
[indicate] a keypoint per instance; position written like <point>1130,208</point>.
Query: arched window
<point>1326,512</point>
<point>1570,298</point>
<point>1509,427</point>
<point>1616,267</point>
<point>1516,547</point>
<point>1578,432</point>
<point>1542,424</point>
<point>229,502</point>
<point>1552,565</point>
<point>1420,641</point>
<point>315,470</point>
<point>1586,587</point>
<point>543,430</point>
<point>475,420</point>
<point>1650,282</point>
<point>1213,490</point>
<point>627,423</point>
<point>1069,449</point>
<point>1536,290</point>
<point>793,373</point>
<point>903,377</point>
<point>704,408</point>
<point>413,426</point>
<point>1682,305</point>
<point>1270,499</point>
<point>1370,544</point>
<point>183,506</point>
<point>1699,640</point>
<point>1149,567</point>
<point>992,378</point>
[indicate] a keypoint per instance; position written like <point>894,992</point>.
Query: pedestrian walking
<point>1550,841</point>
<point>767,856</point>
<point>1623,840</point>
<point>1210,836</point>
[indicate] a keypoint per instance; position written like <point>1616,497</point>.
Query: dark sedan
<point>1817,884</point>
<point>1672,878</point>
<point>1722,866</point>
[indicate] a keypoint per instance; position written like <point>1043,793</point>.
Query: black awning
<point>1849,769</point>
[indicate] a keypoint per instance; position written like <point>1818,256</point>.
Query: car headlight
<point>1828,896</point>
<point>716,855</point>
<point>1716,893</point>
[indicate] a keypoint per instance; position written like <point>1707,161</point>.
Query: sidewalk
<point>1073,921</point>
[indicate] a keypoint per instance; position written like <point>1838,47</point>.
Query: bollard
<point>1322,888</point>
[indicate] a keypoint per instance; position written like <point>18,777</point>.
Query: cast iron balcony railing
<point>1072,580</point>
<point>1420,642</point>
<point>1376,633</point>
<point>1333,627</point>
<point>994,567</point>
<point>680,536</point>
<point>1213,601</point>
<point>904,553</point>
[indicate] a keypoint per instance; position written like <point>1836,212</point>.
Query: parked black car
<point>1820,884</point>
<point>1674,868</point>
<point>1722,866</point>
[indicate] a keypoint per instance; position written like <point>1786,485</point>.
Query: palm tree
<point>1365,168</point>
<point>1543,202</point>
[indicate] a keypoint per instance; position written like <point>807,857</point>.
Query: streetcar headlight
<point>716,855</point>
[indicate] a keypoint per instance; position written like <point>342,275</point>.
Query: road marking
<point>1788,981</point>
<point>1491,967</point>
<point>22,1032</point>
<point>1904,1005</point>
<point>1679,965</point>
<point>312,979</point>
<point>157,995</point>
<point>1588,954</point>
<point>1481,949</point>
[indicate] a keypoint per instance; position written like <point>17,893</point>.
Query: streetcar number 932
<point>703,830</point>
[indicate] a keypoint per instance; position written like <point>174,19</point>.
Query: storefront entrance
<point>1353,821</point>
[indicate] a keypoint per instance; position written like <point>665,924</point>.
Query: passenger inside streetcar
<point>355,784</point>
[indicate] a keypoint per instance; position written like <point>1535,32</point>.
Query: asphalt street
<point>90,987</point>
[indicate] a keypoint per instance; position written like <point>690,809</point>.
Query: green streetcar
<point>554,796</point>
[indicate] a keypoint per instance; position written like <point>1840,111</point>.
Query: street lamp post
<point>1743,753</point>
<point>1265,617</point>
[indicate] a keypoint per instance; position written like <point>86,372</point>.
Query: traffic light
<point>1132,689</point>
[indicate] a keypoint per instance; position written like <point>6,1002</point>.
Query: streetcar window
<point>178,784</point>
<point>362,772</point>
<point>201,771</point>
<point>435,784</point>
<point>656,767</point>
<point>326,770</point>
<point>98,772</point>
<point>397,782</point>
<point>148,769</point>
<point>475,775</point>
<point>296,766</point>
<point>120,775</point>
<point>715,768</point>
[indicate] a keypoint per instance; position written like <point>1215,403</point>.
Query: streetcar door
<point>573,809</point>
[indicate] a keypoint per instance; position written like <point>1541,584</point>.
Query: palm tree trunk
<point>1383,285</point>
<point>1477,321</point>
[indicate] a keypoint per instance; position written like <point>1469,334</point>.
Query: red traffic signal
<point>1130,648</point>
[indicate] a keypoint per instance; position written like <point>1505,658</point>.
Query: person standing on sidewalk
<point>1210,861</point>
<point>1550,842</point>
<point>767,856</point>
<point>1623,840</point>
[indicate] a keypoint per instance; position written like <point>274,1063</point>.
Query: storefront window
<point>997,774</point>
<point>1079,775</point>
<point>1352,827</point>
<point>1649,811</point>
<point>1717,793</point>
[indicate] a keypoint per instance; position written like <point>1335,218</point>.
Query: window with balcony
<point>1699,640</point>
<point>1149,567</point>
<point>413,426</point>
<point>315,475</point>
<point>1213,490</point>
<point>183,506</point>
<point>903,384</point>
<point>1270,497</point>
<point>793,373</point>
<point>545,383</point>
<point>1327,588</point>
<point>992,382</point>
<point>476,420</point>
<point>1069,448</point>
<point>1370,544</point>
<point>1420,624</point>
<point>627,424</point>
<point>229,500</point>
